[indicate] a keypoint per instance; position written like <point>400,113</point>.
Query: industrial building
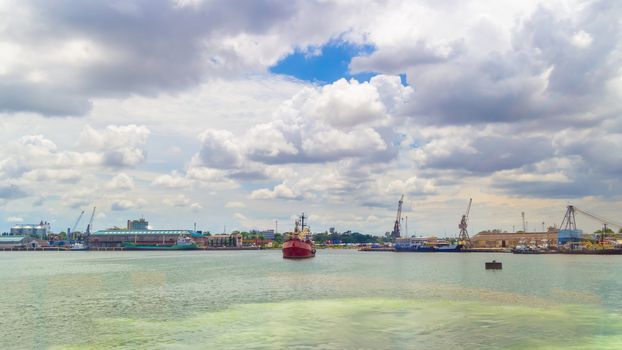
<point>219,241</point>
<point>40,229</point>
<point>7,241</point>
<point>498,239</point>
<point>11,241</point>
<point>115,238</point>
<point>140,224</point>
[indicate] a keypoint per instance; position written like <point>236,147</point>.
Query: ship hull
<point>296,249</point>
<point>593,252</point>
<point>429,249</point>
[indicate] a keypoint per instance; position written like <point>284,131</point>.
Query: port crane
<point>73,229</point>
<point>397,225</point>
<point>89,227</point>
<point>569,221</point>
<point>463,237</point>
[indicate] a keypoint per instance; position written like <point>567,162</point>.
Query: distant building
<point>11,241</point>
<point>220,241</point>
<point>498,239</point>
<point>267,234</point>
<point>22,242</point>
<point>140,224</point>
<point>116,238</point>
<point>40,229</point>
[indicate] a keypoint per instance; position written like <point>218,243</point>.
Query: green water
<point>338,300</point>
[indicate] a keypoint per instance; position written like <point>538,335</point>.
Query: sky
<point>241,114</point>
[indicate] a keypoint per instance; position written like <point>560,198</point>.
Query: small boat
<point>79,247</point>
<point>183,243</point>
<point>298,245</point>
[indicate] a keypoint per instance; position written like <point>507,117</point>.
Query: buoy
<point>493,265</point>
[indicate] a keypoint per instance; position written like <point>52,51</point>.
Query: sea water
<point>341,299</point>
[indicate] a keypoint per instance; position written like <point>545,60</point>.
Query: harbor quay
<point>138,235</point>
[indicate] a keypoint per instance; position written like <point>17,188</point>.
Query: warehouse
<point>115,238</point>
<point>498,239</point>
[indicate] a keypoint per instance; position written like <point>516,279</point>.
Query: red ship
<point>298,245</point>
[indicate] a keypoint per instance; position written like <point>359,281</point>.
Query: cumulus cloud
<point>126,204</point>
<point>80,52</point>
<point>60,175</point>
<point>118,146</point>
<point>173,180</point>
<point>220,150</point>
<point>122,182</point>
<point>346,119</point>
<point>521,99</point>
<point>181,200</point>
<point>551,64</point>
<point>484,154</point>
<point>398,59</point>
<point>281,191</point>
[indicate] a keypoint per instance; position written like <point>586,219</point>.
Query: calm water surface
<point>338,300</point>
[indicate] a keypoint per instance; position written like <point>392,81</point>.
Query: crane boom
<point>73,229</point>
<point>599,218</point>
<point>89,227</point>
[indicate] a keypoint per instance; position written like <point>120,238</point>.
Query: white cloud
<point>118,146</point>
<point>122,182</point>
<point>582,39</point>
<point>126,204</point>
<point>506,101</point>
<point>220,150</point>
<point>240,216</point>
<point>281,191</point>
<point>173,180</point>
<point>14,219</point>
<point>235,205</point>
<point>62,175</point>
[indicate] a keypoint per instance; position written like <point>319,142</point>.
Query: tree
<point>606,231</point>
<point>278,238</point>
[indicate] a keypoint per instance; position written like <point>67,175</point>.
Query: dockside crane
<point>569,221</point>
<point>463,237</point>
<point>396,233</point>
<point>73,229</point>
<point>89,227</point>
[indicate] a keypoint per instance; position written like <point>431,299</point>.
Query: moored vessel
<point>298,245</point>
<point>423,245</point>
<point>79,247</point>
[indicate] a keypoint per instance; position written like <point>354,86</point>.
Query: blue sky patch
<point>329,65</point>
